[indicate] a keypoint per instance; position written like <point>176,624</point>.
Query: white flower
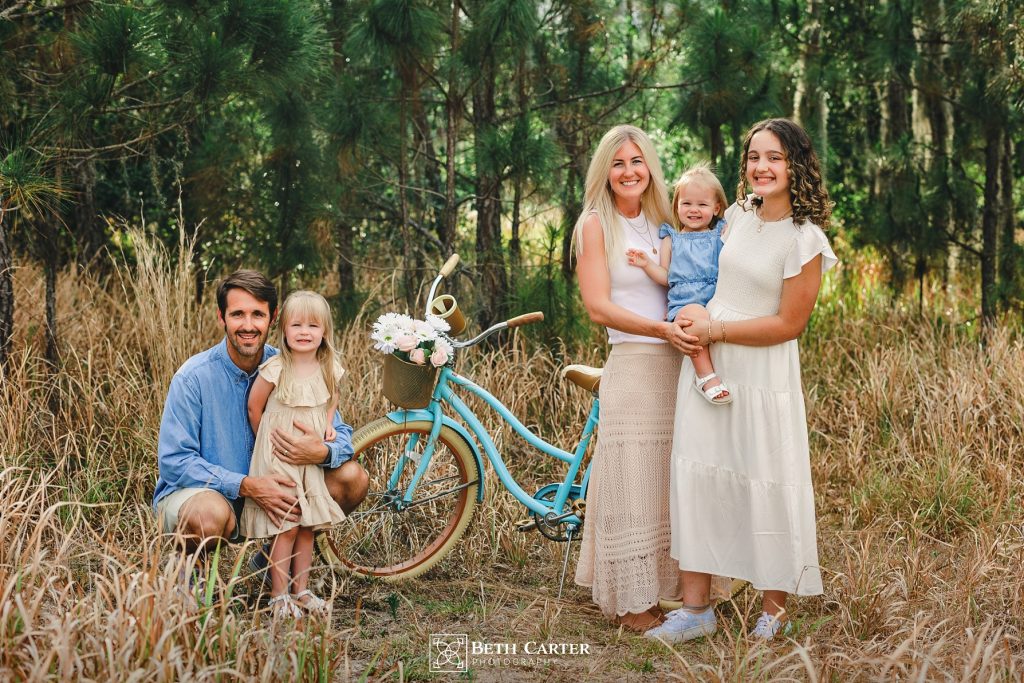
<point>444,345</point>
<point>423,330</point>
<point>438,323</point>
<point>397,332</point>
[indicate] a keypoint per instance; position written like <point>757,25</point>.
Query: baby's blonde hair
<point>699,174</point>
<point>311,306</point>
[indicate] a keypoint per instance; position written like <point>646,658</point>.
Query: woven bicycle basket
<point>408,385</point>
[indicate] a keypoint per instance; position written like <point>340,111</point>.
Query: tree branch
<point>90,152</point>
<point>10,15</point>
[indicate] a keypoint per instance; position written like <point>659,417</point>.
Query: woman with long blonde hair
<point>625,556</point>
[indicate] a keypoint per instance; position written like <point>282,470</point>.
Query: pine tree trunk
<point>453,112</point>
<point>989,225</point>
<point>90,235</point>
<point>717,143</point>
<point>489,256</point>
<point>572,205</point>
<point>1007,247</point>
<point>403,203</point>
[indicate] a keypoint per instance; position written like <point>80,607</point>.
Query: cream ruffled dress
<point>305,400</point>
<point>742,496</point>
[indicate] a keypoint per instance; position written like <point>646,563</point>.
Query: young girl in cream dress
<point>299,383</point>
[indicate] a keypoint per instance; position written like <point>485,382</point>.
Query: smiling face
<point>246,322</point>
<point>629,176</point>
<point>303,334</point>
<point>696,206</point>
<point>767,166</point>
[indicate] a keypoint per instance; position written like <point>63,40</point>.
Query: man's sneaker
<point>257,566</point>
<point>770,625</point>
<point>682,624</point>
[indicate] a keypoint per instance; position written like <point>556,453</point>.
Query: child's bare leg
<point>281,561</point>
<point>702,361</point>
<point>302,560</point>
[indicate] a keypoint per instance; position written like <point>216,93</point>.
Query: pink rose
<point>417,356</point>
<point>438,358</point>
<point>407,342</point>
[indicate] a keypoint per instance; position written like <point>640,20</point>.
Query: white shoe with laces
<point>684,624</point>
<point>770,625</point>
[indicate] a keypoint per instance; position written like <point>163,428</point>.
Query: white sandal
<point>714,394</point>
<point>313,603</point>
<point>283,607</point>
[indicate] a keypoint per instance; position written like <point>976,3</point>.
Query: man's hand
<point>307,449</point>
<point>271,494</point>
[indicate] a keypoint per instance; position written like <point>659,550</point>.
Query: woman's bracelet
<point>722,324</point>
<point>710,340</point>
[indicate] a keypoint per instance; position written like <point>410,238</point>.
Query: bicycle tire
<point>381,541</point>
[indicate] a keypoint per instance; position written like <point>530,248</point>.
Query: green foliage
<point>302,135</point>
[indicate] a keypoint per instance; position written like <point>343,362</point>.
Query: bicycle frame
<point>443,394</point>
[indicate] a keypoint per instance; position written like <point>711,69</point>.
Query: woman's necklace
<point>645,233</point>
<point>761,221</point>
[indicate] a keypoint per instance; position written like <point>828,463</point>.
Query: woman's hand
<point>677,334</point>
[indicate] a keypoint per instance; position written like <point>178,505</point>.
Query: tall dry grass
<point>916,432</point>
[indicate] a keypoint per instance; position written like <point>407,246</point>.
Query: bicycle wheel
<point>388,538</point>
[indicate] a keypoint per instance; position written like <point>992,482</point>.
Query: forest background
<point>147,148</point>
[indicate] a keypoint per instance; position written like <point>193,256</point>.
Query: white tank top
<point>631,287</point>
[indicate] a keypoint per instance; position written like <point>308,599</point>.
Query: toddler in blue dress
<point>689,261</point>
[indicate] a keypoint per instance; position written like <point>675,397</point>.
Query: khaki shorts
<point>169,507</point>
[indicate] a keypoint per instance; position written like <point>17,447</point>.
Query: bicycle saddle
<point>583,376</point>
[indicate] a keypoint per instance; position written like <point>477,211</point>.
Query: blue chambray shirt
<point>205,437</point>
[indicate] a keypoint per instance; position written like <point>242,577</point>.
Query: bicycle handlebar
<point>526,319</point>
<point>449,265</point>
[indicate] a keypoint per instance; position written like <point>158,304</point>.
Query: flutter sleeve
<point>666,230</point>
<point>339,371</point>
<point>271,370</point>
<point>810,242</point>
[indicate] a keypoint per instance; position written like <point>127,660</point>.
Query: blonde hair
<point>699,174</point>
<point>598,197</point>
<point>311,306</point>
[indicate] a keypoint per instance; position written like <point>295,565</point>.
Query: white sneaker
<point>682,625</point>
<point>770,625</point>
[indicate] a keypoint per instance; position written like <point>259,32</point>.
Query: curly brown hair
<point>807,191</point>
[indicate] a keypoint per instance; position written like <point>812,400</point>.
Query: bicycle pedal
<point>526,525</point>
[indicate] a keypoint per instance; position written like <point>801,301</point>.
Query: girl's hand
<point>637,257</point>
<point>330,434</point>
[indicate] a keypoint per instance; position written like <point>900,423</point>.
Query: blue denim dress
<point>693,272</point>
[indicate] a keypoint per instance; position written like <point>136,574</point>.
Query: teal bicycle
<point>426,474</point>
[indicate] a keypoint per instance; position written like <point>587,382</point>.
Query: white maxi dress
<point>742,501</point>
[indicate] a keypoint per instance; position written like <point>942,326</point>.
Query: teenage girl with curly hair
<point>742,501</point>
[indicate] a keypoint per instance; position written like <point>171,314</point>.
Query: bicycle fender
<point>400,416</point>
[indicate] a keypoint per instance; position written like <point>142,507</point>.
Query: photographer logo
<point>449,652</point>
